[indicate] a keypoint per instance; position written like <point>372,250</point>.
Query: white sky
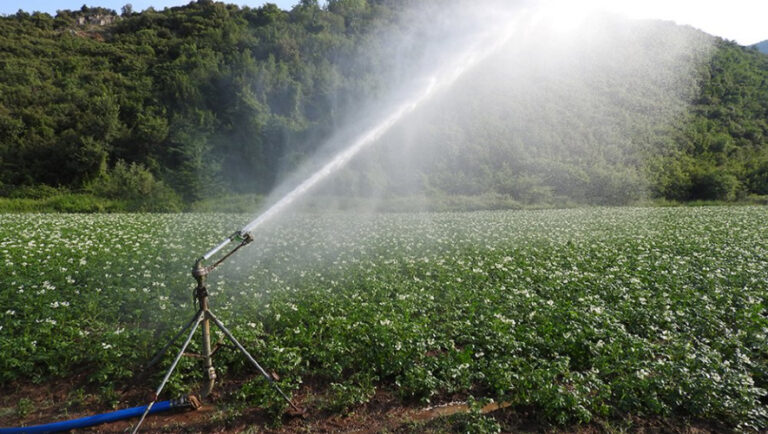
<point>745,21</point>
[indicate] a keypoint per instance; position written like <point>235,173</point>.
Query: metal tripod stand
<point>204,316</point>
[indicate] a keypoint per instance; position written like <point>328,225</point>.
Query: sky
<point>741,20</point>
<point>744,21</point>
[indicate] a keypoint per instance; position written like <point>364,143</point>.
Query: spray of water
<point>550,75</point>
<point>485,45</point>
<point>517,81</point>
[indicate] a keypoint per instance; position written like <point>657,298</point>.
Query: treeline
<point>721,148</point>
<point>205,99</point>
<point>193,102</point>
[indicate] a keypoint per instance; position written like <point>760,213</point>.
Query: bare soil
<point>26,405</point>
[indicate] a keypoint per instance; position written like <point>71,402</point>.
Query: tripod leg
<point>141,376</point>
<point>159,355</point>
<point>207,360</point>
<point>196,321</point>
<point>250,358</point>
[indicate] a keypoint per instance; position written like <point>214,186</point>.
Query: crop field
<point>576,316</point>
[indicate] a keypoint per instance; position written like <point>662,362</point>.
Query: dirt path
<point>32,405</point>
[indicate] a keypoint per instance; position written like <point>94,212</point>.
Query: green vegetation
<point>43,198</point>
<point>208,97</point>
<point>721,149</point>
<point>212,99</point>
<point>136,185</point>
<point>575,315</point>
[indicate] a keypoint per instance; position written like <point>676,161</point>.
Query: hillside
<point>209,98</point>
<point>762,46</point>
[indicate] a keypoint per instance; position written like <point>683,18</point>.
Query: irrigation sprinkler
<point>203,318</point>
<point>490,42</point>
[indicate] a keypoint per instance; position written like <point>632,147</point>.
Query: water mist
<point>543,97</point>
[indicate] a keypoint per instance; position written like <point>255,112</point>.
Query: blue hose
<point>95,419</point>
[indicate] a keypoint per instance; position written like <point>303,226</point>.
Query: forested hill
<point>211,98</point>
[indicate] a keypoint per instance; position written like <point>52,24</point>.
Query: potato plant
<point>578,314</point>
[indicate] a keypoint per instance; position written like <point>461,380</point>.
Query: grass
<point>65,202</point>
<point>43,199</point>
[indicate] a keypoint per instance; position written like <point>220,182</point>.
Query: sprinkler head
<point>199,271</point>
<point>244,236</point>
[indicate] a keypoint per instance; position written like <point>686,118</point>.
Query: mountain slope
<point>762,46</point>
<point>214,98</point>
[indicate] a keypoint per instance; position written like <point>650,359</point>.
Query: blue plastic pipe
<point>92,420</point>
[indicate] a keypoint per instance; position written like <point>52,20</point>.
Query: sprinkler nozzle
<point>243,236</point>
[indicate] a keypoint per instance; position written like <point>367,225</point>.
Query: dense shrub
<point>33,191</point>
<point>758,178</point>
<point>714,184</point>
<point>138,186</point>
